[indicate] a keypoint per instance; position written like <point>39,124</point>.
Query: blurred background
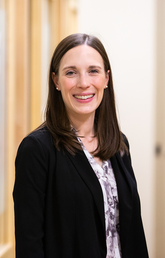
<point>133,33</point>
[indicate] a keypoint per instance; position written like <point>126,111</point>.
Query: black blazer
<point>59,209</point>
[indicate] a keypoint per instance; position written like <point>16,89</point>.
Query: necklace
<point>81,136</point>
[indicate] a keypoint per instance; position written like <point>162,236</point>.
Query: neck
<point>84,126</point>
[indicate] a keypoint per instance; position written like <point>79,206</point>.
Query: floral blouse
<point>107,181</point>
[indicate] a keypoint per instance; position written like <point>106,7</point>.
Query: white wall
<point>127,30</point>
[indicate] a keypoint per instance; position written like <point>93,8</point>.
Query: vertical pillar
<point>54,21</point>
<point>68,17</point>
<point>2,118</point>
<point>17,95</point>
<point>35,63</point>
<point>21,69</point>
<point>10,118</point>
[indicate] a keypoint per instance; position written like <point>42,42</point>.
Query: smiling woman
<point>81,60</point>
<point>81,80</point>
<point>75,191</point>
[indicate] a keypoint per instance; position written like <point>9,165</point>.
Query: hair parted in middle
<point>106,125</point>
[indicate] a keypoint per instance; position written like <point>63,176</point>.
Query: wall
<point>127,29</point>
<point>160,131</point>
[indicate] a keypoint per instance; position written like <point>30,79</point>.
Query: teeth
<point>84,97</point>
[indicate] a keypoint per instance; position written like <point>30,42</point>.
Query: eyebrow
<point>69,67</point>
<point>95,66</point>
<point>74,67</point>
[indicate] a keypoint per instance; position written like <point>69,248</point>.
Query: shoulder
<point>126,157</point>
<point>37,143</point>
<point>125,146</point>
<point>125,140</point>
<point>41,136</point>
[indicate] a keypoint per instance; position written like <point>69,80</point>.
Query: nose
<point>83,81</point>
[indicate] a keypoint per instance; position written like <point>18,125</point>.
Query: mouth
<point>84,96</point>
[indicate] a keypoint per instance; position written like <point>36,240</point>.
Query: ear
<point>107,79</point>
<point>55,80</point>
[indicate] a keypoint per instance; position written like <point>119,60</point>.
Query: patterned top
<point>107,181</point>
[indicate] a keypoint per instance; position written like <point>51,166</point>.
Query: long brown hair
<point>106,125</point>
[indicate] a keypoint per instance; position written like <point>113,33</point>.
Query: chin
<point>86,112</point>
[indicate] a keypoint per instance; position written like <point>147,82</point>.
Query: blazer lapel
<point>124,186</point>
<point>89,177</point>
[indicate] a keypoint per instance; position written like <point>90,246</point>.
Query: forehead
<point>81,55</point>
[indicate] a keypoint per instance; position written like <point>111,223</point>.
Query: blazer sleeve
<point>29,197</point>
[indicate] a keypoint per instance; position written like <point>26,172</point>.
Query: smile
<point>84,97</point>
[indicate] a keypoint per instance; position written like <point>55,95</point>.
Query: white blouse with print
<point>107,181</point>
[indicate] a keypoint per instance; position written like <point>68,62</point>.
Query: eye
<point>94,71</point>
<point>69,73</point>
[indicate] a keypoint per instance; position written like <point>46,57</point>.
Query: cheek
<point>99,83</point>
<point>66,84</point>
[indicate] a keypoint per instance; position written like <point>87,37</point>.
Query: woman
<point>75,193</point>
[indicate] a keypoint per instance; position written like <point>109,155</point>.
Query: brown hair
<point>107,130</point>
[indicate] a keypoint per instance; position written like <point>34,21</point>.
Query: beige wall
<point>128,31</point>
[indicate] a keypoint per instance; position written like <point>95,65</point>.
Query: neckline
<point>89,154</point>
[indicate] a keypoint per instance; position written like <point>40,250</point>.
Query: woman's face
<point>81,80</point>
